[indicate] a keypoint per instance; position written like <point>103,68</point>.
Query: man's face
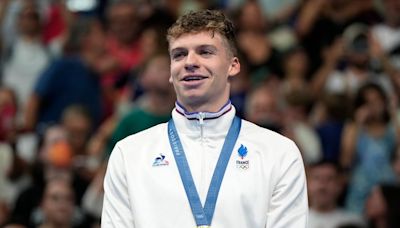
<point>122,22</point>
<point>374,104</point>
<point>58,203</point>
<point>200,67</point>
<point>323,186</point>
<point>78,131</point>
<point>29,20</point>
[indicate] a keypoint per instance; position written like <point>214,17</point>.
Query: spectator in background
<point>55,160</point>
<point>388,32</point>
<point>154,26</point>
<point>295,72</point>
<point>152,41</point>
<point>368,141</point>
<point>27,56</point>
<point>325,186</point>
<point>55,20</point>
<point>8,20</point>
<point>348,64</point>
<point>59,19</point>
<point>73,79</point>
<point>320,22</point>
<point>154,106</point>
<point>329,115</point>
<point>57,204</point>
<point>277,11</point>
<point>78,125</point>
<point>123,47</point>
<point>385,62</point>
<point>262,109</point>
<point>297,127</point>
<point>383,204</point>
<point>179,7</point>
<point>260,57</point>
<point>123,41</point>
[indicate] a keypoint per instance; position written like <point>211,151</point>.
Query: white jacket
<point>264,189</point>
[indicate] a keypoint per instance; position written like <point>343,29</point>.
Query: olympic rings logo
<point>244,167</point>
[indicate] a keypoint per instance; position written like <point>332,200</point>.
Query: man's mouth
<point>193,78</point>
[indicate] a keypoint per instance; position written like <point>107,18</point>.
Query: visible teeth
<point>192,78</point>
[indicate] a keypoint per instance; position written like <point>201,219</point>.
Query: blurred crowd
<point>76,76</point>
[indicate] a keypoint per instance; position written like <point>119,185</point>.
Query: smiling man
<point>205,167</point>
<point>201,64</point>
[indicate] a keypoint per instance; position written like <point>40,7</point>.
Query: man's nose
<point>191,63</point>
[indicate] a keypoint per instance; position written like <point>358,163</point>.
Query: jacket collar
<point>205,123</point>
<point>203,115</point>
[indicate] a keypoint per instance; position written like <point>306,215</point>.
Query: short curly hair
<point>205,20</point>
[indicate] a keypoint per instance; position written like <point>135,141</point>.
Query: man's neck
<point>198,109</point>
<point>203,115</point>
<point>203,107</point>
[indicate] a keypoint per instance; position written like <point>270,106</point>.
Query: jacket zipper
<point>201,122</point>
<point>203,160</point>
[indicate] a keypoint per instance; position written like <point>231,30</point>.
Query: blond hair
<point>205,20</point>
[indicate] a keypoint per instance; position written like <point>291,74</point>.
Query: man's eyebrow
<point>177,49</point>
<point>208,46</point>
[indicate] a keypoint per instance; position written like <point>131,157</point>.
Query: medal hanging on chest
<point>203,215</point>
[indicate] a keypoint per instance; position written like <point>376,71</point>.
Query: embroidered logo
<point>242,163</point>
<point>160,161</point>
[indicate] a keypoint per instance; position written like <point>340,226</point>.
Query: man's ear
<point>234,68</point>
<point>170,79</point>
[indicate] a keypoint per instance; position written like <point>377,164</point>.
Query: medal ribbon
<point>203,216</point>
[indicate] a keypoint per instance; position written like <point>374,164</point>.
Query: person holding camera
<point>351,61</point>
<point>368,142</point>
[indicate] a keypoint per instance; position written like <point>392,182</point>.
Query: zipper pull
<point>201,118</point>
<point>201,122</point>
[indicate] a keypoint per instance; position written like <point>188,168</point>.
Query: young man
<point>206,167</point>
<point>324,187</point>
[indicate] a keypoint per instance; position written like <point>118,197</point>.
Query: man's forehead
<point>196,38</point>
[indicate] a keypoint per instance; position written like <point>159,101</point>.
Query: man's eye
<point>177,56</point>
<point>205,52</point>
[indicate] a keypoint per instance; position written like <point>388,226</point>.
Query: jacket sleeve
<point>289,204</point>
<point>116,207</point>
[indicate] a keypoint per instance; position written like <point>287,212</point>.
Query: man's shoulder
<point>137,148</point>
<point>277,146</point>
<point>257,132</point>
